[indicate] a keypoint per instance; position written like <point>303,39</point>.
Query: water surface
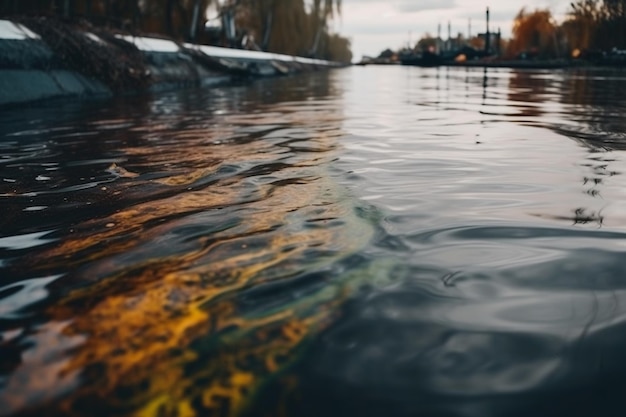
<point>369,241</point>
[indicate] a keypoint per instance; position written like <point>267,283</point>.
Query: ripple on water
<point>24,241</point>
<point>177,230</point>
<point>17,296</point>
<point>374,241</point>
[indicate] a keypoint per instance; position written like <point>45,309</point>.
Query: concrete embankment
<point>40,59</point>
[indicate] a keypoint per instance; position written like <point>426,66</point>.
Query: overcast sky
<point>374,25</point>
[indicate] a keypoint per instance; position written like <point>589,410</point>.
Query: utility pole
<point>437,51</point>
<point>556,42</point>
<point>487,40</point>
<point>449,43</point>
<point>194,21</point>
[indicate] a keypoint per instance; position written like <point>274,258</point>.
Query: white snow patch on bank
<point>94,37</point>
<point>218,52</point>
<point>151,44</point>
<point>15,31</point>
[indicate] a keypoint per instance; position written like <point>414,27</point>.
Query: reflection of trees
<point>527,91</point>
<point>103,142</point>
<point>595,105</point>
<point>597,102</point>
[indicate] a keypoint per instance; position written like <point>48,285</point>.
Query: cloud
<point>380,29</point>
<point>410,6</point>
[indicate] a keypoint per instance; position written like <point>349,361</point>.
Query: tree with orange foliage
<point>534,34</point>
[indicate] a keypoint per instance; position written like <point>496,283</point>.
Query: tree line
<point>590,26</point>
<point>295,27</point>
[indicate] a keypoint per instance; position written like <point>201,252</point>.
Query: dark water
<point>385,241</point>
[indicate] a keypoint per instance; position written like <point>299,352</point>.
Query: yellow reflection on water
<point>159,324</point>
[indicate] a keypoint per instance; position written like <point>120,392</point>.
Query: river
<point>371,241</point>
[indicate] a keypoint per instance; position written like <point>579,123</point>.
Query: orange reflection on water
<point>160,327</point>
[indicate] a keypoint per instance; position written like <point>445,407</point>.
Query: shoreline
<point>41,59</point>
<point>511,64</point>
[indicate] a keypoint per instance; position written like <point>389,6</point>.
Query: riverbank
<point>41,58</point>
<point>615,59</point>
<point>520,64</point>
<point>512,64</point>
